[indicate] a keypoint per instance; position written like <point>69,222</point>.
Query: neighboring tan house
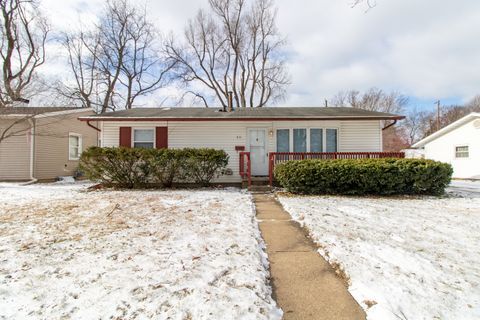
<point>260,132</point>
<point>457,144</point>
<point>42,143</point>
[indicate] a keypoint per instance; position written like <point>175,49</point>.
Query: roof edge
<point>100,118</point>
<point>446,129</point>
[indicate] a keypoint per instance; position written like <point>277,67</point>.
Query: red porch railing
<point>278,157</point>
<point>245,167</point>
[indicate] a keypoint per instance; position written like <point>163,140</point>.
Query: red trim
<point>125,137</point>
<point>241,119</point>
<point>161,137</point>
<point>245,174</point>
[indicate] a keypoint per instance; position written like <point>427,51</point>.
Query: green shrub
<point>364,176</point>
<point>202,165</point>
<point>124,167</point>
<point>137,167</point>
<point>166,165</point>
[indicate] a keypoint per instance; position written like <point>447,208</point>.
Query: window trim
<point>146,128</point>
<point>337,139</point>
<point>80,142</point>
<point>308,128</point>
<point>290,139</point>
<point>459,146</point>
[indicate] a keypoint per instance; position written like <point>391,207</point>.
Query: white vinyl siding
<point>448,147</point>
<point>225,135</point>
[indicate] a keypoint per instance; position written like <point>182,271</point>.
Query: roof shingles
<point>270,113</point>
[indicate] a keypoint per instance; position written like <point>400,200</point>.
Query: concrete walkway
<point>304,285</point>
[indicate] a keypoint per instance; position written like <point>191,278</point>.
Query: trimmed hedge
<point>139,167</point>
<point>364,176</point>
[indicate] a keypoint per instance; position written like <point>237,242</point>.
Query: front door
<point>258,151</point>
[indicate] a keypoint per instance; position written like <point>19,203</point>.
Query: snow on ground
<point>67,253</point>
<point>416,258</point>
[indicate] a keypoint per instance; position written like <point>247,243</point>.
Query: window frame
<point>80,142</point>
<point>290,139</point>
<point>336,140</point>
<point>307,139</point>
<point>154,145</point>
<point>460,146</point>
<point>308,128</point>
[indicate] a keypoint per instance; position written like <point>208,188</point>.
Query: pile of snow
<point>411,258</point>
<point>66,253</point>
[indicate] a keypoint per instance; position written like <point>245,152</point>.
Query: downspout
<point>390,125</point>
<point>32,152</point>
<point>92,126</point>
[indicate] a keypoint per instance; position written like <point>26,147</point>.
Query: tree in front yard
<point>235,47</point>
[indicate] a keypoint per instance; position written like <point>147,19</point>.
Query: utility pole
<point>326,103</point>
<point>438,114</point>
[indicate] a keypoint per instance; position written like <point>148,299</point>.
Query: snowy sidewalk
<point>305,285</point>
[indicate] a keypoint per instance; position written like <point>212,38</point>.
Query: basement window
<point>461,152</point>
<point>74,146</point>
<point>143,138</point>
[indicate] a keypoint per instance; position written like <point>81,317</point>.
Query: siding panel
<point>51,147</point>
<point>15,154</point>
<point>353,135</point>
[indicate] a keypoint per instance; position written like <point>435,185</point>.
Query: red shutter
<point>126,137</point>
<point>161,137</point>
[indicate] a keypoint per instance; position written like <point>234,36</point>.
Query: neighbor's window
<point>331,140</point>
<point>461,152</point>
<point>316,140</point>
<point>143,138</point>
<point>74,146</point>
<point>283,140</point>
<point>299,140</point>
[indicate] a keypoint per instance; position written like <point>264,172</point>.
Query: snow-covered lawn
<point>413,258</point>
<point>70,254</point>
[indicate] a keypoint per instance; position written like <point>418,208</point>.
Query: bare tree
<point>118,62</point>
<point>235,47</point>
<point>24,34</point>
<point>16,127</point>
<point>374,100</point>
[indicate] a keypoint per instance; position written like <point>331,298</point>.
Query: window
<point>316,140</point>
<point>461,152</point>
<point>74,146</point>
<point>299,140</point>
<point>283,140</point>
<point>143,138</point>
<point>331,140</point>
<point>307,140</point>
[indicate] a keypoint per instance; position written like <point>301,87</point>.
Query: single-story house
<point>259,131</point>
<point>42,143</point>
<point>457,144</point>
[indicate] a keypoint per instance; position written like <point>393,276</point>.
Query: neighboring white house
<point>457,144</point>
<point>255,130</point>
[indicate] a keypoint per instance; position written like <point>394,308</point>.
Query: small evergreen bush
<point>124,167</point>
<point>364,176</point>
<point>202,165</point>
<point>138,167</point>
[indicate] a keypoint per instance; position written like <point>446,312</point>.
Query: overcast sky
<point>426,49</point>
